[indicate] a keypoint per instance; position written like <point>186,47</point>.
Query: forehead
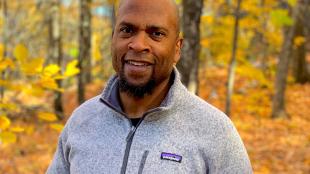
<point>147,12</point>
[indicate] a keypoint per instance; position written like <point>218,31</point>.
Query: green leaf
<point>280,18</point>
<point>74,52</point>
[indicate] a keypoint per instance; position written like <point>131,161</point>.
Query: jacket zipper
<point>129,139</point>
<point>130,135</point>
<point>142,163</point>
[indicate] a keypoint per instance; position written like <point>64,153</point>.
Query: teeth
<point>137,63</point>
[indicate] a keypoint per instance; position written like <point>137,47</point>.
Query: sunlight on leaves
<point>51,70</point>
<point>57,127</point>
<point>17,129</point>
<point>47,116</point>
<point>71,69</point>
<point>4,122</point>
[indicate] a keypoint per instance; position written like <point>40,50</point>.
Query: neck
<point>136,107</point>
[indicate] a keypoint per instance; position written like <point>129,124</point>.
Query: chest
<point>150,148</point>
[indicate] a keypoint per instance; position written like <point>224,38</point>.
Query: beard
<point>136,91</point>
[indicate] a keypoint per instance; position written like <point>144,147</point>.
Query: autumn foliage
<point>29,125</point>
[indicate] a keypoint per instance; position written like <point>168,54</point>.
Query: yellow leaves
<point>298,41</point>
<point>47,116</point>
<point>292,2</point>
<point>4,122</point>
<point>32,66</point>
<point>8,106</point>
<point>21,53</point>
<point>252,73</point>
<point>57,127</point>
<point>17,129</point>
<point>49,83</point>
<point>51,117</point>
<point>6,63</point>
<point>7,137</point>
<point>207,19</point>
<point>1,51</point>
<point>34,90</point>
<point>51,70</point>
<point>205,43</point>
<point>71,69</point>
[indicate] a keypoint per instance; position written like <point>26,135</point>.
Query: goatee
<point>137,91</point>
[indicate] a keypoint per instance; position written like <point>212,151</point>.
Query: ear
<point>178,48</point>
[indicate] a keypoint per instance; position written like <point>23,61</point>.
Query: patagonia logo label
<point>171,157</point>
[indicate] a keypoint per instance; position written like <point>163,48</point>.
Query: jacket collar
<point>110,95</point>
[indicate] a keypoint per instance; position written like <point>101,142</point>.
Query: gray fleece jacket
<point>183,135</point>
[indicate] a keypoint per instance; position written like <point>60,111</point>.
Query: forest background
<point>250,58</point>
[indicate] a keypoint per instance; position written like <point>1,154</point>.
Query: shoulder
<point>206,118</point>
<point>87,111</point>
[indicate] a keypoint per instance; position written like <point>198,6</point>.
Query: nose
<point>139,43</point>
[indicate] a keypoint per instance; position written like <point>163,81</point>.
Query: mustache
<point>138,56</point>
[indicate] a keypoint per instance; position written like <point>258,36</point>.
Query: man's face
<point>145,43</point>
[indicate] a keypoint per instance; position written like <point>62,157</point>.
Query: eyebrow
<point>148,27</point>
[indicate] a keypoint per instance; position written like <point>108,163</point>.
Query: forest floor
<point>274,145</point>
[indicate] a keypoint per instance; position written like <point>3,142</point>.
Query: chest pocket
<point>170,162</point>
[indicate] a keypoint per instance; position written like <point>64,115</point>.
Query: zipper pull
<point>132,131</point>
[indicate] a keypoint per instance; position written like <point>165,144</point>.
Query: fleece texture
<point>184,135</point>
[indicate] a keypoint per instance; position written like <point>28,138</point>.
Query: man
<point>146,121</point>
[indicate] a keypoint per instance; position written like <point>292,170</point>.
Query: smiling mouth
<point>137,63</point>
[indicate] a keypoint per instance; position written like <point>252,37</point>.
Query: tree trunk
<point>300,71</point>
<point>55,49</point>
<point>84,76</point>
<point>278,107</point>
<point>232,65</point>
<point>189,63</point>
<point>263,41</point>
<point>4,9</point>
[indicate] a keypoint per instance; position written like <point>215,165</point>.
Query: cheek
<point>118,50</point>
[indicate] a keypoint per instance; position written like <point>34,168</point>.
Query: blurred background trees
<point>247,57</point>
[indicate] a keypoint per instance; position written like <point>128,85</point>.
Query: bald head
<point>168,7</point>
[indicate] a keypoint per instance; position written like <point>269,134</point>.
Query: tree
<point>232,65</point>
<point>84,48</point>
<point>3,7</point>
<point>55,48</point>
<point>278,107</point>
<point>300,72</point>
<point>189,63</point>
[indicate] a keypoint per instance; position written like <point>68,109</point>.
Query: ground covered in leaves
<point>274,145</point>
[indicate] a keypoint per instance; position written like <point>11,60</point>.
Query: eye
<point>126,29</point>
<point>157,34</point>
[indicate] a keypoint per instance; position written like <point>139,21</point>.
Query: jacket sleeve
<point>60,164</point>
<point>231,156</point>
